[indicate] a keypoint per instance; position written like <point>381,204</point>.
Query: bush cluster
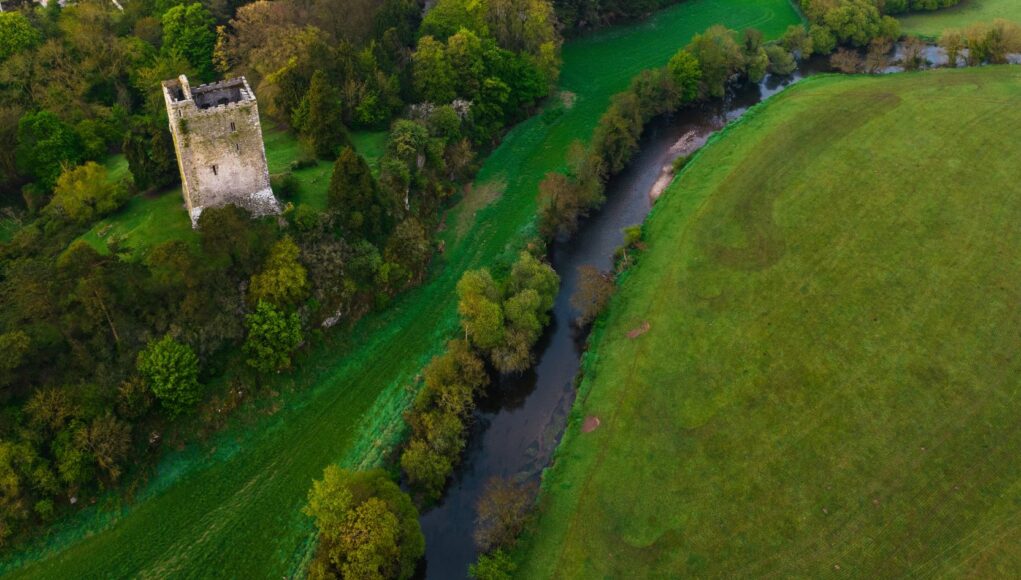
<point>501,323</point>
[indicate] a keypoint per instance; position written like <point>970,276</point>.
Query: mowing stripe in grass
<point>931,24</point>
<point>829,381</point>
<point>239,514</point>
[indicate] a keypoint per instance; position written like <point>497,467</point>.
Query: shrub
<point>84,194</point>
<point>593,293</point>
<point>781,62</point>
<point>501,513</point>
<point>846,61</point>
<point>303,162</point>
<point>493,566</point>
<point>285,185</point>
<point>678,164</point>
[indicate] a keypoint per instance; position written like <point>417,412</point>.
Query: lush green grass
<point>147,221</point>
<point>117,167</point>
<point>144,222</point>
<point>370,144</point>
<point>931,24</point>
<point>830,378</point>
<point>233,506</point>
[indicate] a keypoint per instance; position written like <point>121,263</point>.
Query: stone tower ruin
<point>219,146</point>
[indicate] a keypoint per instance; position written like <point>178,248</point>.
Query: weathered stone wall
<point>219,146</point>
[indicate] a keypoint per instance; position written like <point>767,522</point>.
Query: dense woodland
<point>102,353</point>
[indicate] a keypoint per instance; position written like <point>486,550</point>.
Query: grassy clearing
<point>370,144</point>
<point>931,24</point>
<point>829,379</point>
<point>147,221</point>
<point>234,504</point>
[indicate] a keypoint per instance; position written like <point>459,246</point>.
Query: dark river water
<point>519,424</point>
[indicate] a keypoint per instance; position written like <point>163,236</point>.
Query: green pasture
<point>931,24</point>
<point>232,506</point>
<point>829,382</point>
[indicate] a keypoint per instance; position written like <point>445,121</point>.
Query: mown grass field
<point>931,24</point>
<point>830,380</point>
<point>232,507</point>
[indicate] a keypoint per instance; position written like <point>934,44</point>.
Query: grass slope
<point>931,24</point>
<point>232,507</point>
<point>830,379</point>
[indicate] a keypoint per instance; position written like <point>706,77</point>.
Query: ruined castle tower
<point>219,147</point>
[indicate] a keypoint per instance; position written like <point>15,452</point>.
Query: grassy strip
<point>801,403</point>
<point>241,512</point>
<point>930,25</point>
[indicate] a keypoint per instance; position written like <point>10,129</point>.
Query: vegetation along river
<point>518,426</point>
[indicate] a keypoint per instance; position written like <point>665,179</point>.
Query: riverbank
<point>798,404</point>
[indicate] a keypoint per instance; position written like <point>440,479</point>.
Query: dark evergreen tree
<point>358,200</point>
<point>149,150</point>
<point>319,118</point>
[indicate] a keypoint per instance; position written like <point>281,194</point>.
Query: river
<point>519,423</point>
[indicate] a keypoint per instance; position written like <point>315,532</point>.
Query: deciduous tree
<point>45,146</point>
<point>719,56</point>
<point>85,193</point>
<point>368,528</point>
<point>272,336</point>
<point>501,512</point>
<point>593,293</point>
<point>479,307</point>
<point>283,280</point>
<point>16,34</point>
<point>171,370</point>
<point>188,31</point>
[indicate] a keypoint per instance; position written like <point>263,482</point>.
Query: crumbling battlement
<point>218,141</point>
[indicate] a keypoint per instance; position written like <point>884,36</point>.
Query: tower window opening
<point>233,129</point>
<point>237,147</point>
<point>214,168</point>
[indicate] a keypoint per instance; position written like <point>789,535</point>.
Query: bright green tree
<point>432,72</point>
<point>85,193</point>
<point>530,273</point>
<point>16,34</point>
<point>188,31</point>
<point>171,370</point>
<point>446,17</point>
<point>272,337</point>
<point>479,307</point>
<point>45,146</point>
<point>686,74</point>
